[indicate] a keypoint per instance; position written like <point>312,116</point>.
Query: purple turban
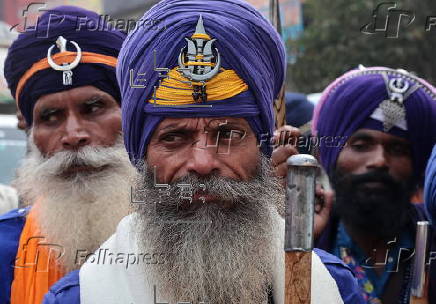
<point>430,186</point>
<point>353,102</point>
<point>74,24</point>
<point>246,41</point>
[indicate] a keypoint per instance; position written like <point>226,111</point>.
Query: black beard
<point>381,211</point>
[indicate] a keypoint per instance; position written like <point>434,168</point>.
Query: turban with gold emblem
<point>199,58</point>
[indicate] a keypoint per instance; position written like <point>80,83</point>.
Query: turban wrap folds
<point>247,43</point>
<point>430,186</point>
<point>74,24</point>
<point>347,104</point>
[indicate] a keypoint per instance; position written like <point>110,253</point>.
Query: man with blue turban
<point>75,175</point>
<point>197,121</point>
<point>376,128</point>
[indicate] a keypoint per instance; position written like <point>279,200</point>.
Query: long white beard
<point>227,255</point>
<point>80,212</point>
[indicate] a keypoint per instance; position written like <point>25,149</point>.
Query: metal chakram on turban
<point>430,186</point>
<point>199,58</point>
<point>378,98</point>
<point>64,50</point>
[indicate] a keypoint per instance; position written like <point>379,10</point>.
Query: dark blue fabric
<point>299,110</point>
<point>11,225</point>
<point>418,213</point>
<point>67,290</point>
<point>32,45</point>
<point>379,281</point>
<point>344,277</point>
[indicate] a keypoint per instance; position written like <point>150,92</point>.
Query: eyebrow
<point>50,110</point>
<point>225,124</point>
<point>365,136</point>
<point>216,124</point>
<point>361,136</point>
<point>93,99</point>
<point>175,126</point>
<point>46,109</point>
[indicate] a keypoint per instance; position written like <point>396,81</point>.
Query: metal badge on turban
<point>66,68</point>
<point>392,110</point>
<point>203,62</point>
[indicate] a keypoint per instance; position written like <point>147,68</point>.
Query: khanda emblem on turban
<point>66,68</point>
<point>203,62</point>
<point>393,108</point>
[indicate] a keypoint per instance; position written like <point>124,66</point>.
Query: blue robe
<point>418,213</point>
<point>67,290</point>
<point>11,226</point>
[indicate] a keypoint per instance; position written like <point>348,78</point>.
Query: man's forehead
<point>378,136</point>
<point>60,99</point>
<point>202,122</point>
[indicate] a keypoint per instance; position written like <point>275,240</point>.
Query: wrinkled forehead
<point>203,123</point>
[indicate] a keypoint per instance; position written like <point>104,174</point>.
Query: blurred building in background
<point>291,19</point>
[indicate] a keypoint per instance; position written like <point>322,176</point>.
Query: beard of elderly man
<point>216,245</point>
<point>79,181</point>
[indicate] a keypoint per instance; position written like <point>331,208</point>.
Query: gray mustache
<point>88,156</point>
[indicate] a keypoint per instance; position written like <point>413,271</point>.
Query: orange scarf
<point>36,267</point>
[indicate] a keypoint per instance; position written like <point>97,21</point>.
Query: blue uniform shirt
<point>11,225</point>
<point>67,290</point>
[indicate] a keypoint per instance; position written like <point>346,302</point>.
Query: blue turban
<point>74,24</point>
<point>247,43</point>
<point>430,186</point>
<point>349,103</point>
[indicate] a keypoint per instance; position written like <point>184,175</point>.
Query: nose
<point>203,161</point>
<point>377,159</point>
<point>75,136</point>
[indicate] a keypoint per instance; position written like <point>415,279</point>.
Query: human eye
<point>173,139</point>
<point>399,149</point>
<point>361,145</point>
<point>49,115</point>
<point>93,105</point>
<point>231,134</point>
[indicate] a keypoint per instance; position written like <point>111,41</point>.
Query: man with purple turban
<point>376,128</point>
<point>197,117</point>
<point>75,175</point>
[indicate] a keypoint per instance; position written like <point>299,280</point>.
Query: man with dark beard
<point>75,177</point>
<point>387,119</point>
<point>207,226</point>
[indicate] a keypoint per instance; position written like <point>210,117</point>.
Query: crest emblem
<point>199,61</point>
<point>393,108</point>
<point>66,68</point>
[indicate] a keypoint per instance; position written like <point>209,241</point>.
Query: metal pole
<point>299,222</point>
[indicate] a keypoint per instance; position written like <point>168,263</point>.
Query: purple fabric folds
<point>430,186</point>
<point>348,103</point>
<point>74,24</point>
<point>247,42</point>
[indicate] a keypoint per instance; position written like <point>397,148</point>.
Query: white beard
<point>80,212</point>
<point>229,256</point>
